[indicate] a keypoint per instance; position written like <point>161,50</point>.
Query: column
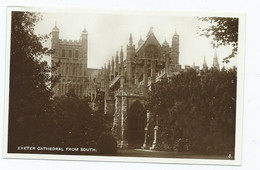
<point>152,71</point>
<point>145,78</point>
<point>123,143</point>
<point>155,133</point>
<point>146,129</point>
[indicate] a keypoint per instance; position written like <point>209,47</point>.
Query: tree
<point>31,82</point>
<point>75,123</point>
<point>196,111</point>
<point>224,31</point>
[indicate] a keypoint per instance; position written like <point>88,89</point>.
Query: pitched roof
<point>151,39</point>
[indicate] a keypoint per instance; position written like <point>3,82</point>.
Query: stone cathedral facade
<point>128,77</point>
<point>127,81</point>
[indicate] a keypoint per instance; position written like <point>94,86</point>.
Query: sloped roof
<point>150,40</point>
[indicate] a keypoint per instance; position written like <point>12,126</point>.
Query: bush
<point>106,144</point>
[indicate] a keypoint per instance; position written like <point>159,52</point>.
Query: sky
<point>107,32</point>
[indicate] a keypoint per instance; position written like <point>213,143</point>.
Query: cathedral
<point>125,80</point>
<point>128,80</point>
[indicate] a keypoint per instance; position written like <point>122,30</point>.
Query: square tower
<point>72,58</point>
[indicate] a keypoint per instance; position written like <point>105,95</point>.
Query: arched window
<point>63,53</point>
<point>70,53</point>
<point>151,51</point>
<point>77,54</point>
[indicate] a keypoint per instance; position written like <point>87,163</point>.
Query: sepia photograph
<point>132,86</point>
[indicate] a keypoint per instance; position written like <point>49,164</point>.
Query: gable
<point>151,40</point>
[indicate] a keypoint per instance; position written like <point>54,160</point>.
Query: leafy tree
<point>75,123</point>
<point>35,117</point>
<point>196,111</point>
<point>30,82</point>
<point>224,31</point>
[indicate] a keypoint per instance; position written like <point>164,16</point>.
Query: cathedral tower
<point>72,58</point>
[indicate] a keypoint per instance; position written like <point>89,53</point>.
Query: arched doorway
<point>135,124</point>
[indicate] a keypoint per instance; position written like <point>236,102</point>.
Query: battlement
<point>70,42</point>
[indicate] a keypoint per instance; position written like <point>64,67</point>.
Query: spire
<point>204,61</point>
<point>131,40</point>
<point>121,55</point>
<point>113,65</point>
<point>121,62</point>
<point>150,31</point>
<point>84,30</point>
<point>117,63</point>
<point>204,66</point>
<point>117,60</point>
<point>55,29</point>
<point>109,70</point>
<point>105,69</point>
<point>140,42</point>
<point>165,43</point>
<point>215,61</point>
<point>175,32</point>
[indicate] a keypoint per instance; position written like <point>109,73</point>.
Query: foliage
<point>106,144</point>
<point>30,82</point>
<point>196,111</point>
<point>76,125</point>
<point>35,117</point>
<point>224,31</point>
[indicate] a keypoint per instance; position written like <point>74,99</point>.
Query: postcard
<point>124,85</point>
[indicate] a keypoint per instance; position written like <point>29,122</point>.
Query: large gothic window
<point>70,53</point>
<point>77,54</point>
<point>63,53</point>
<point>151,51</point>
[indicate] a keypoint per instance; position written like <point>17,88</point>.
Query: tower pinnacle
<point>140,42</point>
<point>131,40</point>
<point>55,29</point>
<point>204,66</point>
<point>84,30</point>
<point>121,55</point>
<point>175,32</point>
<point>150,31</point>
<point>215,61</point>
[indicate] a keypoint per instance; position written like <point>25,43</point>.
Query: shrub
<point>106,144</point>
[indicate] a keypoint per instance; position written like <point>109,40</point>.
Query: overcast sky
<point>108,32</point>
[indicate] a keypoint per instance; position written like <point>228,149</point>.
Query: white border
<point>240,89</point>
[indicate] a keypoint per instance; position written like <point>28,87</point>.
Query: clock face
<point>151,51</point>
